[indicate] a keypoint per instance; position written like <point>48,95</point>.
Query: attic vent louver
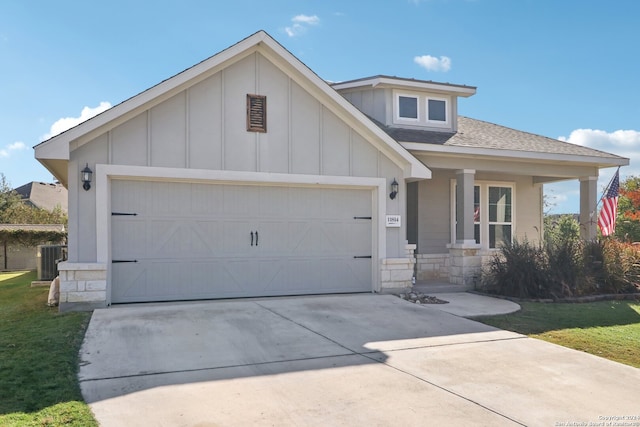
<point>256,113</point>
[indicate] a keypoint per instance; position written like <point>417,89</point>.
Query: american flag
<point>609,210</point>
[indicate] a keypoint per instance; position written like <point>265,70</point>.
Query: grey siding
<point>434,213</point>
<point>82,204</point>
<point>372,102</point>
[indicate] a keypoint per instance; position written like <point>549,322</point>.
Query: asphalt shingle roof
<point>44,195</point>
<point>474,133</point>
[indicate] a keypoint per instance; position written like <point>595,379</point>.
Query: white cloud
<point>306,19</point>
<point>66,123</point>
<point>431,63</point>
<point>625,143</point>
<point>9,148</point>
<point>300,24</point>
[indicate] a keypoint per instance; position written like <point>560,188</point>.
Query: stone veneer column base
<point>396,274</point>
<point>465,264</point>
<point>432,267</point>
<point>83,286</point>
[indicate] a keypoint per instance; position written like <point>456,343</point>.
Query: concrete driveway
<point>350,360</point>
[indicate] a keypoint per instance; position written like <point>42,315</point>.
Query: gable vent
<point>256,113</point>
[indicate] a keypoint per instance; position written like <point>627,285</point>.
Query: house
<point>48,196</point>
<point>249,175</point>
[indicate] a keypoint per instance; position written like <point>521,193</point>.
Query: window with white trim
<point>493,213</point>
<point>421,109</point>
<point>436,110</point>
<point>407,107</point>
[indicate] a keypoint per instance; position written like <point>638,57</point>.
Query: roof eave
<point>601,162</point>
<point>390,82</point>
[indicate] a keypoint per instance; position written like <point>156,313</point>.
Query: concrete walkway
<point>349,360</point>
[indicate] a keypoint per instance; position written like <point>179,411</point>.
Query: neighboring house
<point>46,196</point>
<point>24,256</point>
<point>248,175</point>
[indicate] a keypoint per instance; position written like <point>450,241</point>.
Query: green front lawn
<point>609,329</point>
<point>38,358</point>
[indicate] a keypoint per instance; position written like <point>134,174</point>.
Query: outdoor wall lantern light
<point>394,189</point>
<point>85,177</point>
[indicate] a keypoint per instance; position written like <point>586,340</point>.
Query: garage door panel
<point>168,198</point>
<point>193,241</point>
<point>131,280</point>
<point>132,238</point>
<point>205,200</point>
<point>240,201</point>
<point>133,199</point>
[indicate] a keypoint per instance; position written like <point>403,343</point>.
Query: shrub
<point>563,267</point>
<point>519,270</point>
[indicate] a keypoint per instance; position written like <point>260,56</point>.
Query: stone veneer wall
<point>432,267</point>
<point>439,267</point>
<point>397,274</point>
<point>83,286</point>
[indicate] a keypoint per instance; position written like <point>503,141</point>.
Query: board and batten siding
<point>203,126</point>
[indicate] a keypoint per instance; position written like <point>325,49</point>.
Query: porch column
<point>465,262</point>
<point>464,206</point>
<point>588,209</point>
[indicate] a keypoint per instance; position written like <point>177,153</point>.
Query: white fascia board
<point>382,82</point>
<point>412,166</point>
<point>514,154</point>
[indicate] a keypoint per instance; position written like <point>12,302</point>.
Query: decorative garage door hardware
<point>123,214</point>
<point>119,261</point>
<point>361,217</point>
<point>256,238</point>
<point>362,256</point>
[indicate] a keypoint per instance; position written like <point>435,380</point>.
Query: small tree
<point>561,228</point>
<point>9,199</point>
<point>628,221</point>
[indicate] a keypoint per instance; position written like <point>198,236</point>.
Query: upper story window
<point>421,109</point>
<point>407,107</point>
<point>436,110</point>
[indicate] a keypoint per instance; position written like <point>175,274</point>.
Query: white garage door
<point>182,241</point>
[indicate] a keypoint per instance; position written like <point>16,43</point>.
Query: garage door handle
<point>252,238</point>
<point>256,238</point>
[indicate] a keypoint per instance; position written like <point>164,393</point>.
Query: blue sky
<point>564,69</point>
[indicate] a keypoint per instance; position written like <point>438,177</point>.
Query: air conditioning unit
<point>48,257</point>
